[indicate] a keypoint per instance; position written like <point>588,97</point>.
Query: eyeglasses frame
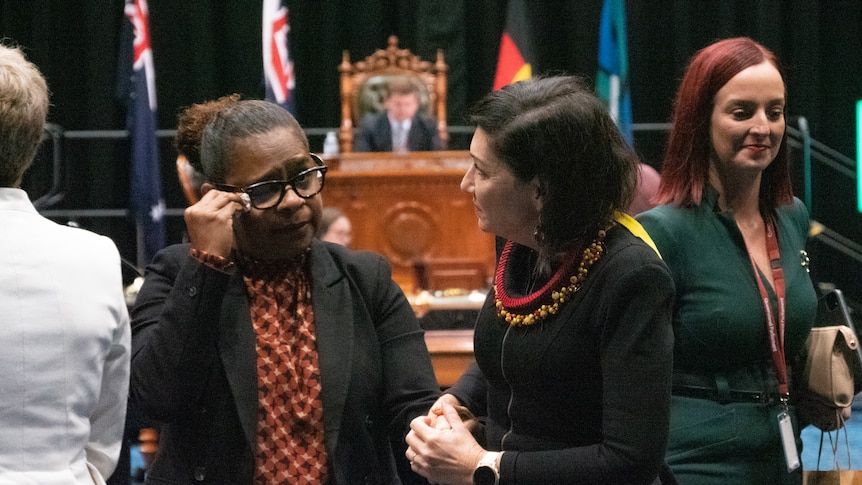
<point>320,167</point>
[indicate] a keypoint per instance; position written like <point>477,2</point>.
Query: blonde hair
<point>23,114</point>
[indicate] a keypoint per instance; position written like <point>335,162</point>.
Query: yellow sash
<point>636,229</point>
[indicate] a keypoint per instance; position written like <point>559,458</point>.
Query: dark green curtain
<point>207,48</point>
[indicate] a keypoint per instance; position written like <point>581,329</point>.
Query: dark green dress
<point>724,427</point>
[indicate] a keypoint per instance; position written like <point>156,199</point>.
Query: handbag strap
<point>839,418</point>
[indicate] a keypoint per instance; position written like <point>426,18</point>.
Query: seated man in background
<point>400,127</point>
<point>65,335</point>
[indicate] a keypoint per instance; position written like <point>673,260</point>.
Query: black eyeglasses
<point>268,194</point>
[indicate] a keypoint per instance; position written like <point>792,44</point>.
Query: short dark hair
<point>556,131</point>
<point>191,123</point>
<point>243,119</point>
<point>402,86</point>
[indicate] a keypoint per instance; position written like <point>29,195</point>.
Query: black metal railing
<point>814,157</point>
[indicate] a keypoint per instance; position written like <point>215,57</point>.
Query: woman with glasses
<point>272,357</point>
<point>573,346</point>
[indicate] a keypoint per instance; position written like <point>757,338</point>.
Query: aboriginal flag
<point>514,61</point>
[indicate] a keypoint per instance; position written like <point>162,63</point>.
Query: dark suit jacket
<point>195,368</point>
<point>375,134</point>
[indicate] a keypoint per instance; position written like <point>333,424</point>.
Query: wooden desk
<point>409,208</point>
<point>451,352</point>
<point>452,349</point>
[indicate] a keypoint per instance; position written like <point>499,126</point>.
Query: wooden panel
<point>409,208</point>
<point>451,352</point>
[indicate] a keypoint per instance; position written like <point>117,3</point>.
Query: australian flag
<point>146,202</point>
<point>277,64</point>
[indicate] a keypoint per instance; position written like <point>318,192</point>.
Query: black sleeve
<point>364,140</point>
<point>472,390</point>
<point>174,333</point>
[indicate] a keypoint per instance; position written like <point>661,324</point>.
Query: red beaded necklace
<point>547,300</point>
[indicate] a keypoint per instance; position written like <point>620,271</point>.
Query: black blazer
<point>584,395</point>
<point>375,134</point>
<point>194,368</point>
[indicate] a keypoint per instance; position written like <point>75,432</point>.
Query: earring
<point>538,234</point>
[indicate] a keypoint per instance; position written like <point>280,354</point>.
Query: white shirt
<point>405,131</point>
<point>64,350</point>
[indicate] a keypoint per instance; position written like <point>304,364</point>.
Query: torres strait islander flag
<point>277,64</point>
<point>612,81</point>
<point>514,61</point>
<point>146,202</point>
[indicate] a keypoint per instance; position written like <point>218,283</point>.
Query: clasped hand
<point>441,444</point>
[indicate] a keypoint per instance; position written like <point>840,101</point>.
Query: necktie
<point>399,138</point>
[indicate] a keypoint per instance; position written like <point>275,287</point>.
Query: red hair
<point>686,162</point>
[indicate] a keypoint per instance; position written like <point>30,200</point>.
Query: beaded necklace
<point>548,299</point>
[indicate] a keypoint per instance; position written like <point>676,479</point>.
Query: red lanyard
<point>775,330</point>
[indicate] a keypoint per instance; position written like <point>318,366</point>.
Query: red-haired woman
<point>734,237</point>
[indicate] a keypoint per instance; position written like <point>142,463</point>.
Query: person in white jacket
<point>64,327</point>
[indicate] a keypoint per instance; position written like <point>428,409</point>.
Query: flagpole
<point>141,257</point>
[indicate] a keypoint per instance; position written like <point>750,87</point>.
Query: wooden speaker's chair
<point>363,87</point>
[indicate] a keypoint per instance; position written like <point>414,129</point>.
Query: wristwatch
<point>486,472</point>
